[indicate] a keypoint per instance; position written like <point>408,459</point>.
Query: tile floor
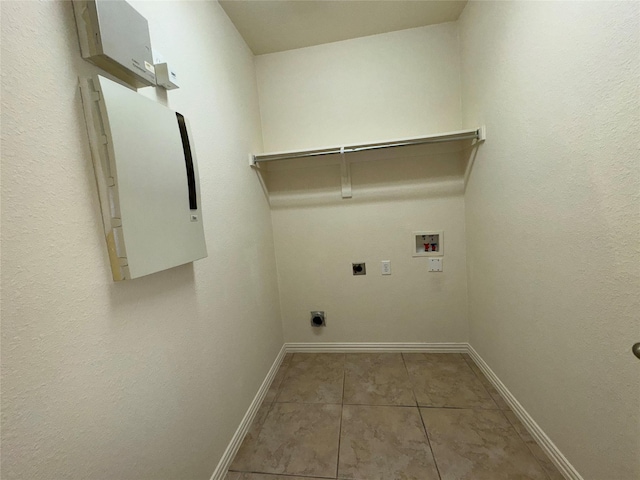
<point>386,416</point>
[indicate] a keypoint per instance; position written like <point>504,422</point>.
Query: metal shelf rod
<point>475,134</point>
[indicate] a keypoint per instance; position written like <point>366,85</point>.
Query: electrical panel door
<point>147,177</point>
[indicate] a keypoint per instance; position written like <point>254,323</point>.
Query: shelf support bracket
<point>482,133</point>
<point>345,173</point>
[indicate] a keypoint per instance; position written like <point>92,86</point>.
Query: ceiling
<point>275,25</point>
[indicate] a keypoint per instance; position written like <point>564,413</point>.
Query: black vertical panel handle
<point>188,160</point>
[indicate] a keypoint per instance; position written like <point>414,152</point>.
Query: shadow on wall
<point>152,289</point>
<point>397,174</point>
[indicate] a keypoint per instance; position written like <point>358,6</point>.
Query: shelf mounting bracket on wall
<point>345,173</point>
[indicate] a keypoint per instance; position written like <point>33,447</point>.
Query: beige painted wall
<point>397,84</point>
<point>385,86</point>
<point>146,379</point>
<point>553,218</point>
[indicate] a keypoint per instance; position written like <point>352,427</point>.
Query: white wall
<point>146,379</point>
<point>398,84</point>
<point>374,88</point>
<point>553,218</point>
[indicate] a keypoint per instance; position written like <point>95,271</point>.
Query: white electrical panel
<point>115,37</point>
<point>147,177</point>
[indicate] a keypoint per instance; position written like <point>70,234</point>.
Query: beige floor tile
<point>500,402</point>
<point>314,359</point>
<point>265,476</point>
<point>232,476</point>
<point>252,435</point>
<point>287,358</point>
<point>437,358</point>
<point>520,428</point>
<point>446,380</point>
<point>552,471</point>
<point>382,443</point>
<point>313,378</point>
<point>295,439</point>
<point>272,393</point>
<point>478,445</point>
<point>543,459</point>
<point>377,379</point>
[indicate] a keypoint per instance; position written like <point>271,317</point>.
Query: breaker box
<point>115,37</point>
<point>147,176</point>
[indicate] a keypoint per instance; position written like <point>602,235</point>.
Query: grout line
<point>296,475</point>
<point>380,405</point>
<point>413,392</point>
<point>426,434</point>
<point>424,427</point>
<point>344,380</point>
<point>450,407</point>
<point>265,417</point>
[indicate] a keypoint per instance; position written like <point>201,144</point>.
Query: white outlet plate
<point>435,264</point>
<point>386,267</point>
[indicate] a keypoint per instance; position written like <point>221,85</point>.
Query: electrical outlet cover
<point>435,264</point>
<point>386,267</point>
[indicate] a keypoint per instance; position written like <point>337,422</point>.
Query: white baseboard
<point>534,429</point>
<point>228,455</point>
<point>361,347</point>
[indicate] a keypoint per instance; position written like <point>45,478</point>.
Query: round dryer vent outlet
<point>317,319</point>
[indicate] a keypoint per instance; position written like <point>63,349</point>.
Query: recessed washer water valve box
<point>428,244</point>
